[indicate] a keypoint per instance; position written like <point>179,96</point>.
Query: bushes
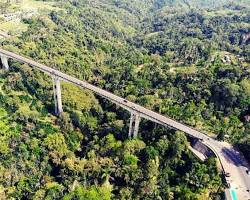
<point>169,61</point>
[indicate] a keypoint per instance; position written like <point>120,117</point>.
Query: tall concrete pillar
<point>134,125</point>
<point>57,95</point>
<point>5,64</point>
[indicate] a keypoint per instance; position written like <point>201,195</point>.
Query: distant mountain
<point>140,8</point>
<point>199,3</point>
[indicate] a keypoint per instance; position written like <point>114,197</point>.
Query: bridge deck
<point>230,159</point>
<point>128,105</point>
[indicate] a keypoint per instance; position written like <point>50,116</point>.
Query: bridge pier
<point>5,64</point>
<point>57,95</point>
<point>134,125</point>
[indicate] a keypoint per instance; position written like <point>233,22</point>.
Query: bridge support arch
<point>5,64</point>
<point>134,125</point>
<point>57,95</point>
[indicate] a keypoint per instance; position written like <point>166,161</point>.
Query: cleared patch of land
<point>34,5</point>
<point>11,21</point>
<point>13,28</point>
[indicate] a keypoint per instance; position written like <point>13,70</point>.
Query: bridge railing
<point>133,108</point>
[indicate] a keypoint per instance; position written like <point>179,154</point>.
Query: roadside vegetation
<point>186,61</point>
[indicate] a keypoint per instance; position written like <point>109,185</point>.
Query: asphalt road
<point>235,164</point>
<point>231,159</point>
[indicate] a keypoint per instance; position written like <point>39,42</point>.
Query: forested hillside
<point>189,60</point>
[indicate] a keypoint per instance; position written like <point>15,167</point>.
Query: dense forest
<point>187,59</point>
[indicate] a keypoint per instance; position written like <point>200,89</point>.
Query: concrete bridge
<point>231,160</point>
<point>137,112</point>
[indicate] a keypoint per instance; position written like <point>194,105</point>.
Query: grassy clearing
<point>186,70</point>
<point>13,28</point>
<point>31,6</point>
